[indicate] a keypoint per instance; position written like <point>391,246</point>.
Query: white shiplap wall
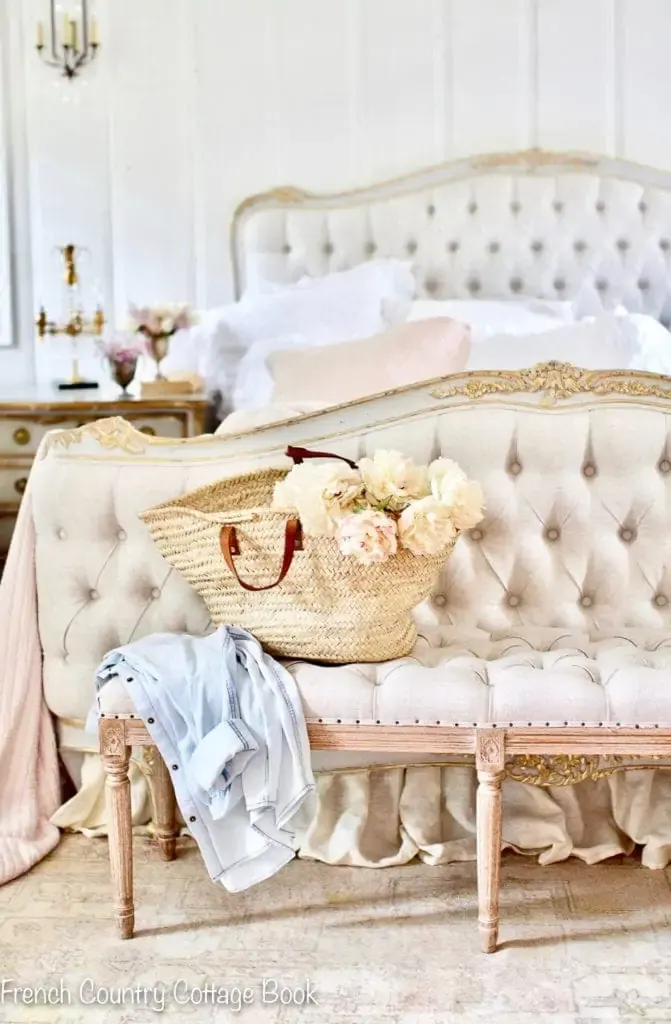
<point>194,104</point>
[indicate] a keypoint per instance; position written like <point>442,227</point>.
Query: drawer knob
<point>20,484</point>
<point>21,435</point>
<point>148,430</point>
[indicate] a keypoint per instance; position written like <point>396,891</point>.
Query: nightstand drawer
<point>13,480</point>
<point>20,438</point>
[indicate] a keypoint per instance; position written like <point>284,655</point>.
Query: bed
<point>555,227</point>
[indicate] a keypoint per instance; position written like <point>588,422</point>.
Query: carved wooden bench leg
<point>489,761</point>
<point>116,758</point>
<point>165,807</point>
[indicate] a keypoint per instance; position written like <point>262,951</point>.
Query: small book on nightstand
<point>172,386</point>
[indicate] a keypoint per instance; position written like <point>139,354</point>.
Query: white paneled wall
<point>194,104</point>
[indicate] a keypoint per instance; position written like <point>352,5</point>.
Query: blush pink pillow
<point>407,354</point>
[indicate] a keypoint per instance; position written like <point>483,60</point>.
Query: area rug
<point>325,945</point>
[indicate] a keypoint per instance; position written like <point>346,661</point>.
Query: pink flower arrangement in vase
<point>121,353</point>
<point>157,324</point>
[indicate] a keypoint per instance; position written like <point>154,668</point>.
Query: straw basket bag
<point>297,594</point>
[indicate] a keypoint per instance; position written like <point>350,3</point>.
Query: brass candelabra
<point>76,324</point>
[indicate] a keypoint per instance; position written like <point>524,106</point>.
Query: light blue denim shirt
<point>230,719</point>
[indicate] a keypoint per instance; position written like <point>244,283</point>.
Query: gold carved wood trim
<point>557,381</point>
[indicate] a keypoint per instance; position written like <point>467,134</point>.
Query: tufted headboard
<point>538,224</point>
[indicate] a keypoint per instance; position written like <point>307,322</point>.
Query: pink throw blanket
<point>29,780</point>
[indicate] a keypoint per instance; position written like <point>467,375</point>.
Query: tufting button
<point>558,206</point>
<point>559,284</point>
<point>473,286</point>
<point>513,600</point>
<point>586,602</point>
<point>476,535</point>
<point>155,592</point>
<point>62,534</point>
<point>622,244</point>
<point>661,601</point>
<point>93,595</point>
<point>643,284</point>
<point>515,206</point>
<point>536,246</point>
<point>440,600</point>
<point>579,246</point>
<point>286,248</point>
<point>411,247</point>
<point>516,284</point>
<point>515,468</point>
<point>552,534</point>
<point>664,466</point>
<point>627,535</point>
<point>371,248</point>
<point>494,247</point>
<point>643,206</point>
<point>589,469</point>
<point>601,285</point>
<point>664,244</point>
<point>453,247</point>
<point>473,207</point>
<point>122,535</point>
<point>431,210</point>
<point>431,285</point>
<point>600,206</point>
<point>328,249</point>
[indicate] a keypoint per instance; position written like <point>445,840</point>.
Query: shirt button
<point>192,818</point>
<point>661,601</point>
<point>553,534</point>
<point>476,534</point>
<point>586,602</point>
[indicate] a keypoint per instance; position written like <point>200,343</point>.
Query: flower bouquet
<point>121,353</point>
<point>383,505</point>
<point>158,324</point>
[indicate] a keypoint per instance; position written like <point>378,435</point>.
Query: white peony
<point>451,486</point>
<point>321,494</point>
<point>368,536</point>
<point>426,527</point>
<point>392,480</point>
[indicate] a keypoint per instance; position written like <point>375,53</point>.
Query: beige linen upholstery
<point>575,541</point>
<point>505,225</point>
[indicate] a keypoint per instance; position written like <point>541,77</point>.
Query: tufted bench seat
<point>547,678</point>
<point>547,641</point>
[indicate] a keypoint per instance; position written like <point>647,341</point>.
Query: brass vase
<point>123,372</point>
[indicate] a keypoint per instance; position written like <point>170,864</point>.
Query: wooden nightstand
<point>27,414</point>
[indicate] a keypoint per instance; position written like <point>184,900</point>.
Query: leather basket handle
<point>301,454</point>
<point>293,541</point>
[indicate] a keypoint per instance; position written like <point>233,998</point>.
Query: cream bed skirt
<point>388,815</point>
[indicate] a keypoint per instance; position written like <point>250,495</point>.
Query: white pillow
<point>607,342</point>
<point>349,304</point>
<point>243,420</point>
<point>498,316</point>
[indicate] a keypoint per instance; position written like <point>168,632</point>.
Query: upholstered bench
<point>544,653</point>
